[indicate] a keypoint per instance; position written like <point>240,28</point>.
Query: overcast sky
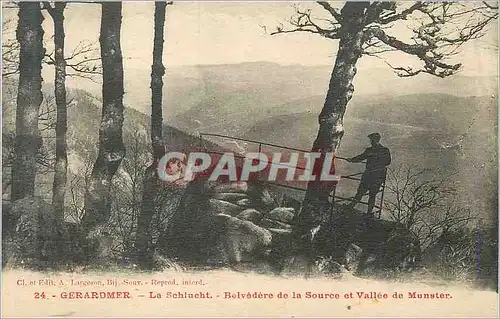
<point>215,33</point>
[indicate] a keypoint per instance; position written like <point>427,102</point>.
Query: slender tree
<point>438,29</point>
<point>29,97</point>
<point>150,186</point>
<point>111,147</point>
<point>61,160</point>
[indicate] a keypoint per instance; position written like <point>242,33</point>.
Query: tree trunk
<point>157,73</point>
<point>316,208</point>
<point>111,148</point>
<point>150,176</point>
<point>29,97</point>
<point>61,164</point>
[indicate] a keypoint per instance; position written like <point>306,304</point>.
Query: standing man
<point>377,157</point>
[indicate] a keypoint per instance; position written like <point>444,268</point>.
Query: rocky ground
<point>248,225</point>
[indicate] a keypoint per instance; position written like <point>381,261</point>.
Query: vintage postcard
<point>249,159</point>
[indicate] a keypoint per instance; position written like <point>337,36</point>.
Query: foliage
<point>423,203</point>
<point>456,246</point>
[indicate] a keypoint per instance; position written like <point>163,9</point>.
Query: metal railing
<point>334,198</point>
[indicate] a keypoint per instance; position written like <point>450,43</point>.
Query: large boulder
<point>250,214</point>
<point>218,206</point>
<point>270,223</point>
<point>243,240</point>
<point>367,245</point>
<point>245,202</point>
<point>282,241</point>
<point>279,233</point>
<point>230,197</point>
<point>236,187</point>
<point>282,214</point>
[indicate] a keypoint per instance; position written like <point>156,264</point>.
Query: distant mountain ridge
<point>273,84</point>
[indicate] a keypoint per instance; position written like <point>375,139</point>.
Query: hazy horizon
<point>206,33</point>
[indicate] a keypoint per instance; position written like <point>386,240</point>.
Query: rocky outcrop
<point>250,214</point>
<point>229,223</point>
<point>230,196</point>
<point>223,207</point>
<point>365,245</point>
<point>270,223</point>
<point>245,202</point>
<point>235,223</point>
<point>236,187</point>
<point>282,214</point>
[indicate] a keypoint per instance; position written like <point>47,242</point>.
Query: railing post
<point>201,141</point>
<point>332,205</point>
<point>381,201</point>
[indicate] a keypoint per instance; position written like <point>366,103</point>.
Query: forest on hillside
<point>80,185</point>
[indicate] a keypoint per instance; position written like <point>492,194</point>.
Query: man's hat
<point>374,136</point>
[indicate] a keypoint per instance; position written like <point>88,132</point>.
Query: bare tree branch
<point>433,61</point>
<point>10,49</point>
<point>84,59</point>
<point>393,16</point>
<point>332,10</point>
<point>439,30</point>
<point>423,204</point>
<point>10,5</point>
<point>444,27</point>
<point>491,6</point>
<point>302,21</point>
